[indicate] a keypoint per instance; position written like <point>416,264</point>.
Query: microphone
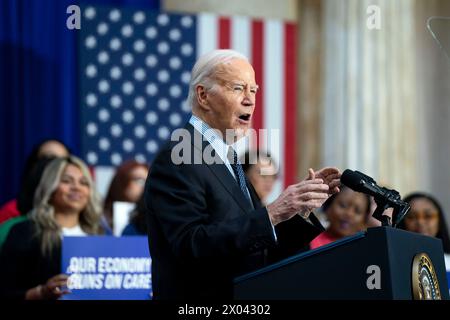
<point>360,182</point>
<point>384,197</point>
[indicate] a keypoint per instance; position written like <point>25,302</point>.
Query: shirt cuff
<point>274,233</point>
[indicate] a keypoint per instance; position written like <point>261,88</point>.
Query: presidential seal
<point>425,284</point>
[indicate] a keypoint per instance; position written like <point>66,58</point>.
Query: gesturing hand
<point>330,176</point>
<point>298,198</point>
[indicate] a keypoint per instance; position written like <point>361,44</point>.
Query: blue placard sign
<point>106,267</point>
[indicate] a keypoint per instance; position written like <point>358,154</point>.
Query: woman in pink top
<point>347,212</point>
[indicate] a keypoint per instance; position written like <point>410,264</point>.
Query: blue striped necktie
<point>238,171</point>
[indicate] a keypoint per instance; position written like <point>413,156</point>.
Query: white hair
<point>205,67</point>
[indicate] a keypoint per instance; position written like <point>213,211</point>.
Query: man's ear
<point>202,96</point>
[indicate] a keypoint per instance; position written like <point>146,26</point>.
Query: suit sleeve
<point>294,235</point>
<point>14,261</point>
<point>176,198</point>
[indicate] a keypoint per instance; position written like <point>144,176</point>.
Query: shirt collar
<point>214,139</point>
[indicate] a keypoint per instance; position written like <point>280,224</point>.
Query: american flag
<point>134,75</point>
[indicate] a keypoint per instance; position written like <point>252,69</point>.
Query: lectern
<point>382,263</point>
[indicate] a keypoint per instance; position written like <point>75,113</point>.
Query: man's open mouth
<point>245,117</point>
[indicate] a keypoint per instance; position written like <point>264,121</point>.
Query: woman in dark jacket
<point>65,204</point>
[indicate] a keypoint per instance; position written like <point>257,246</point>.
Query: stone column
<point>310,48</point>
<point>369,97</point>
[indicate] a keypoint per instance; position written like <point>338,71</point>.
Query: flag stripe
<point>224,33</point>
<point>273,93</point>
<point>241,42</point>
<point>241,35</point>
<point>290,156</point>
<point>257,59</point>
<point>206,33</point>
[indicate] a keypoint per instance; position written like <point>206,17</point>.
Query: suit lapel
<point>220,171</point>
<point>227,180</point>
<point>255,198</point>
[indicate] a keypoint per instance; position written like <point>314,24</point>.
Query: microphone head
<point>353,180</point>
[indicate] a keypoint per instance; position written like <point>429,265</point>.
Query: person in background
<point>348,212</point>
<point>24,202</point>
<point>427,217</point>
<point>127,185</point>
<point>261,171</point>
<point>26,195</point>
<point>65,204</point>
<point>138,223</point>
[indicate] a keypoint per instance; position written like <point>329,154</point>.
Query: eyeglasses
<point>240,87</point>
<point>422,215</point>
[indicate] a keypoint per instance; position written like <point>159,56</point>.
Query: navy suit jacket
<point>203,231</point>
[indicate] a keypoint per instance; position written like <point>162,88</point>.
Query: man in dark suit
<point>206,224</point>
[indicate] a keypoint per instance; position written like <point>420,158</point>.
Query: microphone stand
<point>400,212</point>
<point>382,205</point>
<point>392,201</point>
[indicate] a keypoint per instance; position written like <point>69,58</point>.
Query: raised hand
<point>298,198</point>
<point>330,176</point>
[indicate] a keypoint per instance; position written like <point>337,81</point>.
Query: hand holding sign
<point>54,288</point>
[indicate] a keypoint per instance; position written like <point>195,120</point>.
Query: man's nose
<point>249,99</point>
